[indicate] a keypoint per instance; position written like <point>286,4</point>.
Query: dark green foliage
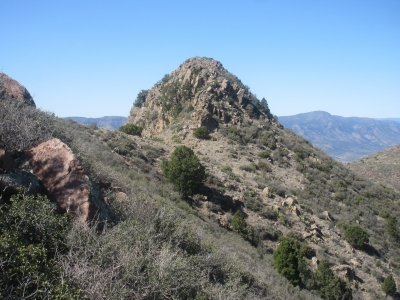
<point>392,227</point>
<point>286,259</point>
<point>234,131</point>
<point>202,133</point>
<point>264,154</point>
<point>141,98</point>
<point>289,260</point>
<point>330,286</point>
<point>306,251</point>
<point>264,167</point>
<point>306,275</point>
<point>264,107</point>
<point>31,235</point>
<point>184,170</point>
<point>165,78</point>
<point>187,90</point>
<point>389,285</point>
<point>252,167</point>
<point>200,296</point>
<point>238,223</point>
<point>131,129</point>
<point>356,236</point>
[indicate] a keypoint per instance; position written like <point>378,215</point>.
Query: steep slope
<point>108,122</point>
<point>382,167</point>
<point>281,183</point>
<point>346,139</point>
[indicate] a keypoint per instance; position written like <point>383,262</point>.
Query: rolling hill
<point>382,167</point>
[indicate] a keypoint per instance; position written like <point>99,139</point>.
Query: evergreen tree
<point>202,133</point>
<point>286,259</point>
<point>330,286</point>
<point>265,108</point>
<point>239,223</point>
<point>392,227</point>
<point>389,286</point>
<point>356,236</point>
<point>184,170</point>
<point>141,98</point>
<point>131,129</point>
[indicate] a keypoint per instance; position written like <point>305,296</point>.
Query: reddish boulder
<point>12,90</point>
<point>64,178</point>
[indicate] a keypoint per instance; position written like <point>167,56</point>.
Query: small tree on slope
<point>184,170</point>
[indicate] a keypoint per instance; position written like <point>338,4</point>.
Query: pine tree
<point>389,286</point>
<point>286,259</point>
<point>239,223</point>
<point>184,170</point>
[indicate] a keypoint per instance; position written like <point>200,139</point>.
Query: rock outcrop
<point>345,272</point>
<point>199,93</point>
<point>12,90</point>
<point>63,177</point>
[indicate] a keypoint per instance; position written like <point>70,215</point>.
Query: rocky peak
<point>11,89</point>
<point>200,92</point>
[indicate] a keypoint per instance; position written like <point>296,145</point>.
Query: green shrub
<point>286,259</point>
<point>184,170</point>
<point>249,168</point>
<point>264,154</point>
<point>330,286</point>
<point>389,286</point>
<point>356,236</point>
<point>176,139</point>
<point>264,167</point>
<point>131,129</point>
<point>141,98</point>
<point>392,227</point>
<point>31,235</point>
<point>234,131</point>
<point>238,223</point>
<point>202,133</point>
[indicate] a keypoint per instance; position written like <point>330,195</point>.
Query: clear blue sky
<point>91,58</point>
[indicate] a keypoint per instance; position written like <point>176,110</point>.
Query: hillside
<point>108,122</point>
<point>265,187</point>
<point>382,167</point>
<point>345,139</point>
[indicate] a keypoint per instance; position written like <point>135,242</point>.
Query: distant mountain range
<point>346,139</point>
<point>388,119</point>
<point>109,122</point>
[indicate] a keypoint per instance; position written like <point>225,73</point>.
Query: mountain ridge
<point>108,122</point>
<point>345,138</point>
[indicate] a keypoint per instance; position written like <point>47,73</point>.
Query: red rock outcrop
<point>64,178</point>
<point>11,89</point>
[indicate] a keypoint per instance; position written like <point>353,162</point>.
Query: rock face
<point>64,178</point>
<point>199,93</point>
<point>11,90</point>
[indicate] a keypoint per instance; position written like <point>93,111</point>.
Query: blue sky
<point>91,58</point>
